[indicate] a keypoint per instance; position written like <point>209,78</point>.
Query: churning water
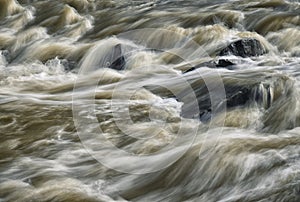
<point>148,100</point>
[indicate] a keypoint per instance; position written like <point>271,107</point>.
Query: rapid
<point>148,100</point>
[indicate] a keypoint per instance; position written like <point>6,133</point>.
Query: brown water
<point>72,129</point>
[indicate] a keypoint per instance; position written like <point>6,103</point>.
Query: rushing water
<point>165,127</point>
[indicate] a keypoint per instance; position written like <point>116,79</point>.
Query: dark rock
<point>236,96</point>
<point>117,59</point>
<point>189,70</point>
<point>205,115</point>
<point>212,64</point>
<point>244,48</point>
<point>7,55</point>
<point>69,65</point>
<point>224,63</point>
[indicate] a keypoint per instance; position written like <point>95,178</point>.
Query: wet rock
<point>7,55</point>
<point>237,96</point>
<point>210,64</point>
<point>244,48</point>
<point>224,63</point>
<point>117,59</point>
<point>69,65</point>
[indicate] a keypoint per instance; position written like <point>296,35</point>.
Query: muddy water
<point>165,125</point>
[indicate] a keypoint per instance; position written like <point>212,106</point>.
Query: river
<point>118,100</point>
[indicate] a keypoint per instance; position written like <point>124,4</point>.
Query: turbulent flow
<point>150,100</point>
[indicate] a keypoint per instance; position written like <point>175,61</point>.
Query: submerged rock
<point>244,48</point>
<point>117,60</point>
<point>110,53</point>
<point>69,65</point>
<point>6,55</point>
